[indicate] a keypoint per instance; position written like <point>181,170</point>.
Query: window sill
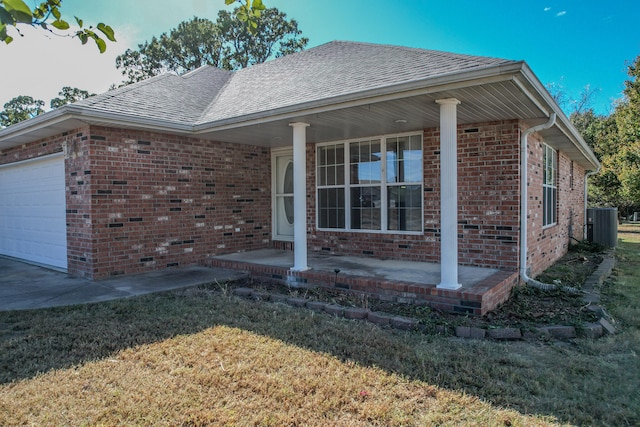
<point>386,233</point>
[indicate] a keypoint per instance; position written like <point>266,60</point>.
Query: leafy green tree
<point>69,95</point>
<point>615,139</point>
<point>190,45</point>
<point>274,36</point>
<point>47,15</point>
<point>627,157</point>
<point>227,43</point>
<point>19,109</point>
<point>601,133</point>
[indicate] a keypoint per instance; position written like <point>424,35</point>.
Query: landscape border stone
<point>404,323</point>
<point>297,302</point>
<point>560,332</point>
<point>356,313</point>
<point>505,333</point>
<point>335,309</point>
<point>593,330</point>
<point>379,318</point>
<point>316,305</point>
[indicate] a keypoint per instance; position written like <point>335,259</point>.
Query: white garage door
<point>33,211</point>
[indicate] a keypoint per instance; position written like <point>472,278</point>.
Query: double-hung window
<point>549,188</point>
<point>371,184</point>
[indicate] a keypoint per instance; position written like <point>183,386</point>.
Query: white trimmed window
<point>549,188</point>
<point>371,184</point>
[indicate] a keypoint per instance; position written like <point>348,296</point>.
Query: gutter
<point>88,116</point>
<point>524,202</point>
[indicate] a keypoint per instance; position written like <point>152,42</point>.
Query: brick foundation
<point>477,300</point>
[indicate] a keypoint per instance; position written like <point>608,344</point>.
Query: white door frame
<point>275,154</point>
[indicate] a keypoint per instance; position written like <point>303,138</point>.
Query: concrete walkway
<point>24,286</point>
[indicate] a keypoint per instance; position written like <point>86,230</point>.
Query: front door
<point>283,195</point>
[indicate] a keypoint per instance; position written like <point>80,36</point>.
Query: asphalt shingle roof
<point>335,69</point>
<point>331,70</point>
<point>169,97</point>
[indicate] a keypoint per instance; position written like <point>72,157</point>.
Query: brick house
<point>377,151</point>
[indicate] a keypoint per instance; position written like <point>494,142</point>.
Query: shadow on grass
<point>585,382</point>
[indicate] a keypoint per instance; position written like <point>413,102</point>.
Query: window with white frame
<point>549,188</point>
<point>371,184</point>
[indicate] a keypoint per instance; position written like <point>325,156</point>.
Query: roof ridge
<point>201,69</point>
<point>439,52</point>
<point>213,101</point>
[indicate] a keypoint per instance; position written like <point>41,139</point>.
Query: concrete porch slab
<point>386,269</point>
<point>483,289</point>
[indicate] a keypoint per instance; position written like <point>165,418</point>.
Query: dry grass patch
<point>198,357</point>
<point>227,376</point>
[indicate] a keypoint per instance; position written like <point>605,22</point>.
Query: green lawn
<point>200,357</point>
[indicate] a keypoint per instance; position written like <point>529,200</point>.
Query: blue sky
<point>570,42</point>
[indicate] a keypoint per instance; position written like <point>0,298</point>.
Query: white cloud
<point>40,64</point>
<point>564,12</point>
<point>547,9</point>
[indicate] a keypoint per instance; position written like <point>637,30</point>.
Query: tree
<point>615,139</point>
<point>190,45</point>
<point>23,107</point>
<point>570,106</point>
<point>627,119</point>
<point>47,15</point>
<point>273,36</point>
<point>69,95</point>
<point>558,93</point>
<point>19,109</point>
<point>227,43</point>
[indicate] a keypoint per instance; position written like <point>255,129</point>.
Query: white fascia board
<point>38,122</point>
<point>451,81</point>
<point>71,112</point>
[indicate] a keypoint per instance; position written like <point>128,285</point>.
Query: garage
<point>33,211</point>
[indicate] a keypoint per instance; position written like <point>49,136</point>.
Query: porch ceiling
<point>502,100</point>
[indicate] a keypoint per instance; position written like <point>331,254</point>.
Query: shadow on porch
<point>483,289</point>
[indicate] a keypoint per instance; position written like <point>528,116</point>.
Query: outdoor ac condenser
<point>602,226</point>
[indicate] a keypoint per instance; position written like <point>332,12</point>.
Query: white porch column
<point>299,196</point>
<point>448,194</point>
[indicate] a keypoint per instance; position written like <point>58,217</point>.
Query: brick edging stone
<point>558,332</point>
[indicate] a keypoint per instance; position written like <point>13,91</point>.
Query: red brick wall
<point>162,201</point>
<point>488,155</point>
<point>547,244</point>
<point>138,201</point>
<point>80,234</point>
